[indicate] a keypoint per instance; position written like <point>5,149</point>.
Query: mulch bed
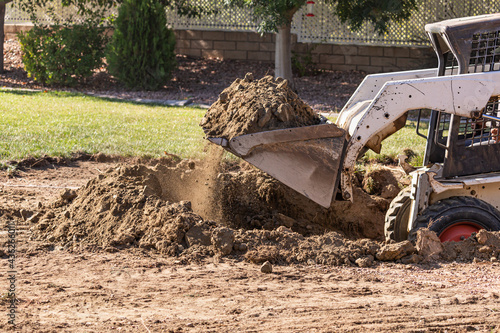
<point>198,79</point>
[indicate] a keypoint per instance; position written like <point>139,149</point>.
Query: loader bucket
<point>307,159</point>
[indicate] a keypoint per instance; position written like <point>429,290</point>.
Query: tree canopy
<point>277,15</point>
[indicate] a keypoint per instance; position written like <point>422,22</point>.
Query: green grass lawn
<point>406,138</point>
<point>59,124</point>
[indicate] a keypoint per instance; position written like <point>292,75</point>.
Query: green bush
<point>62,55</point>
<point>141,53</point>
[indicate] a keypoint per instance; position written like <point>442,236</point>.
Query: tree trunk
<point>283,60</point>
<point>2,20</point>
<point>283,57</point>
<point>2,30</point>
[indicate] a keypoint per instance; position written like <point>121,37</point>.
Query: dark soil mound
<point>250,106</point>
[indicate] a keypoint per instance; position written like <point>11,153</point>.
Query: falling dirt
<point>250,106</point>
<point>196,183</point>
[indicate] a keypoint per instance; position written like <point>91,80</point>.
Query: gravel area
<point>200,80</point>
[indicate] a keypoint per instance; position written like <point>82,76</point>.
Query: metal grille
<point>451,64</point>
<point>443,127</point>
<point>485,54</point>
<point>484,57</point>
<point>482,132</point>
<point>324,27</point>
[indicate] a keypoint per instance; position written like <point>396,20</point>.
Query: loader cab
<point>465,146</point>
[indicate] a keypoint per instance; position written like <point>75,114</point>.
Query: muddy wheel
<point>397,216</point>
<point>456,218</point>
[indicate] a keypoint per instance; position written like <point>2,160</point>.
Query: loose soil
<point>126,251</point>
<point>250,106</point>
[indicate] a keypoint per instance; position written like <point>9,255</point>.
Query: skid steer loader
<point>457,191</point>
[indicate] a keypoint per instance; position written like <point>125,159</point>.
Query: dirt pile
<point>120,208</point>
<point>384,182</point>
<point>156,207</point>
<point>138,207</point>
<point>250,106</point>
<point>284,246</point>
<point>172,208</point>
<point>148,207</point>
<point>483,246</point>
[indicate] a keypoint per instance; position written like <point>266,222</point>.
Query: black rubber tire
<point>397,216</point>
<point>448,212</point>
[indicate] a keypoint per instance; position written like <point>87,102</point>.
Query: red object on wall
<point>310,6</point>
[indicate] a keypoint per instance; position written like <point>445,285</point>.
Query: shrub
<point>141,53</point>
<point>62,55</point>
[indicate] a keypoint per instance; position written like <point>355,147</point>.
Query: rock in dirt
<point>25,214</point>
<point>251,106</point>
<point>34,218</point>
<point>223,240</point>
<point>412,259</point>
<point>390,252</point>
<point>428,243</point>
<point>68,195</point>
<point>199,234</point>
<point>266,267</point>
<point>365,261</point>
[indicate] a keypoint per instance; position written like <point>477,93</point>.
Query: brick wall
<point>11,30</point>
<point>253,46</point>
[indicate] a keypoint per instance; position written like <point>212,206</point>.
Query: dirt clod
<point>199,234</point>
<point>25,214</point>
<point>428,243</point>
<point>266,267</point>
<point>222,240</point>
<point>250,106</point>
<point>68,195</point>
<point>390,252</point>
<point>382,181</point>
<point>365,261</point>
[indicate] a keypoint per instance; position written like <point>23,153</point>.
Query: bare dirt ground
<point>71,289</point>
<point>108,244</point>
